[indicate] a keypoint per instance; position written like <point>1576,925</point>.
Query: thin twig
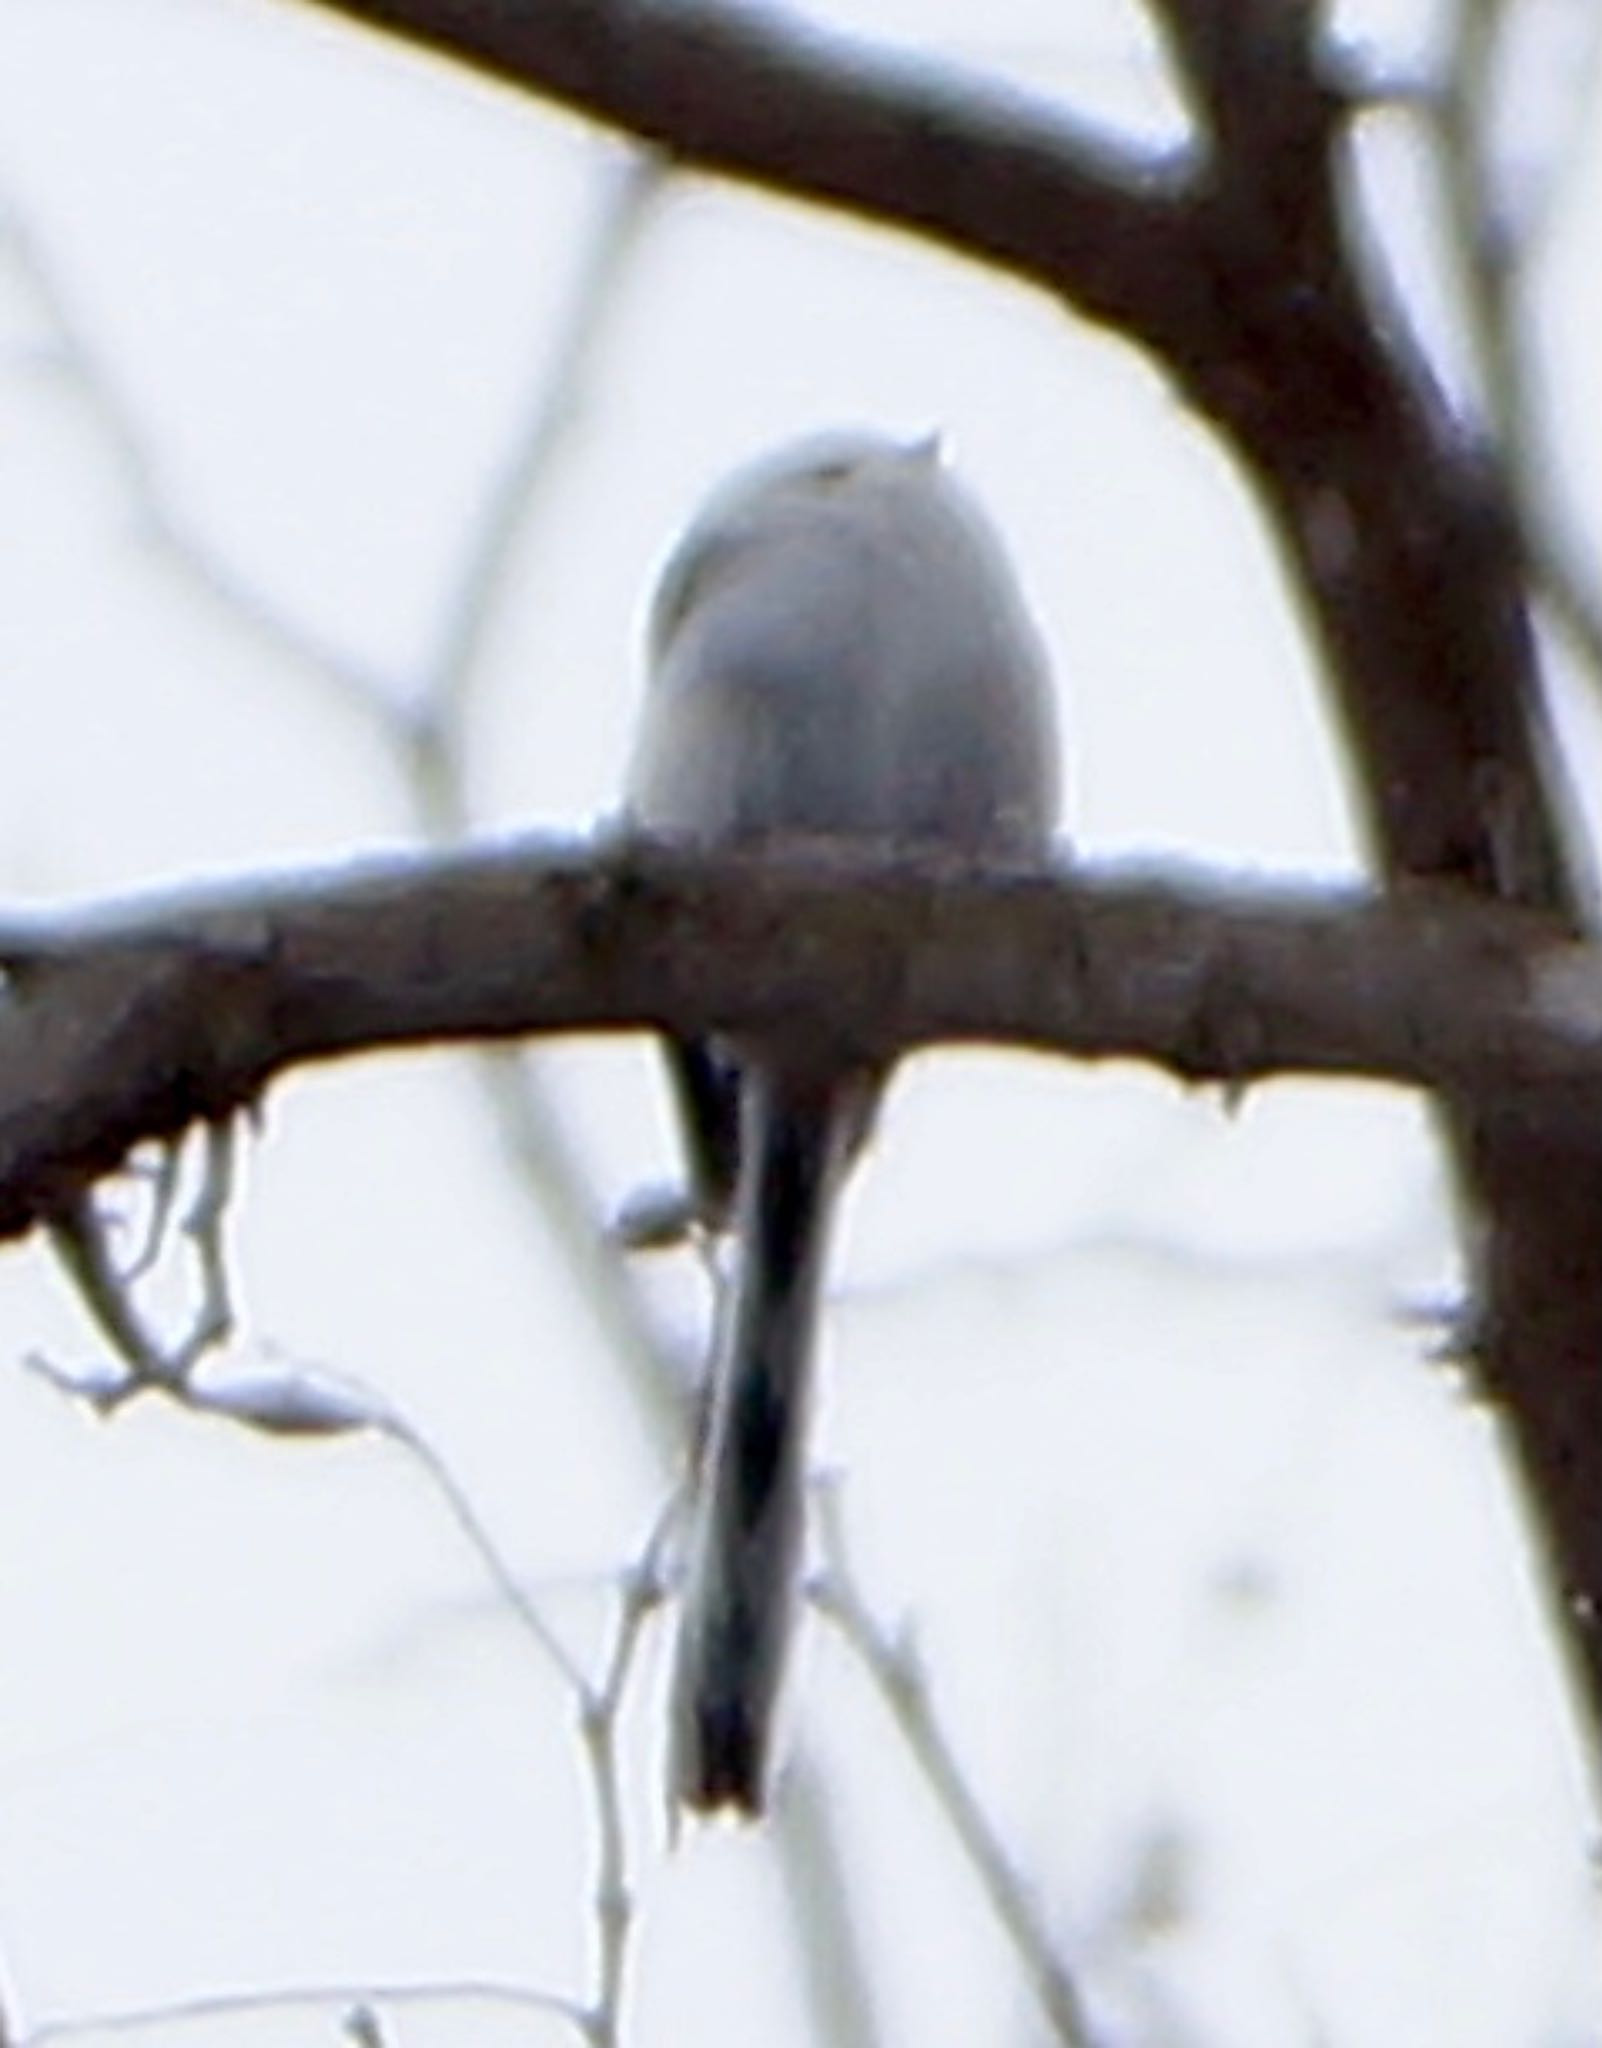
<point>204,1227</point>
<point>629,188</point>
<point>505,1580</point>
<point>516,1999</point>
<point>81,1236</point>
<point>900,1685</point>
<point>157,514</point>
<point>163,1172</point>
<point>81,1241</point>
<point>839,1979</point>
<point>1494,255</point>
<point>640,1596</point>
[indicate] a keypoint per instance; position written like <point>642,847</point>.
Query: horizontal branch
<point>131,1023</point>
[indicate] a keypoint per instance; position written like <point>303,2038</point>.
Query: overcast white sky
<point>1128,1390</point>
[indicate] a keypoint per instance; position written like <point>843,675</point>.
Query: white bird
<point>837,648</point>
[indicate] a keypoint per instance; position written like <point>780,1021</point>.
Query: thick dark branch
<point>1251,68</point>
<point>129,1026</point>
<point>725,88</point>
<point>1402,543</point>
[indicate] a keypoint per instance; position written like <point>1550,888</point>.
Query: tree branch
<point>987,172</point>
<point>129,1025</point>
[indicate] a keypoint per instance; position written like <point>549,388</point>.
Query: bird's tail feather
<point>745,1554</point>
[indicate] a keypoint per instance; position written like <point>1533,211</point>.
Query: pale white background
<point>1212,1572</point>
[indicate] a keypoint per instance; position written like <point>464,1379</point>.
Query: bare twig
<point>81,1241</point>
<point>505,1580</point>
<point>639,1597</point>
<point>1493,246</point>
<point>301,1400</point>
<point>457,1996</point>
<point>203,1227</point>
<point>600,1705</point>
<point>840,1940</point>
<point>158,516</point>
<point>900,1684</point>
<point>82,1237</point>
<point>160,1165</point>
<point>439,728</point>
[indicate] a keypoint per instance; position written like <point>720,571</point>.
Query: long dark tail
<point>745,1552</point>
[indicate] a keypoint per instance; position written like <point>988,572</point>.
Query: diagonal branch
<point>752,94</point>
